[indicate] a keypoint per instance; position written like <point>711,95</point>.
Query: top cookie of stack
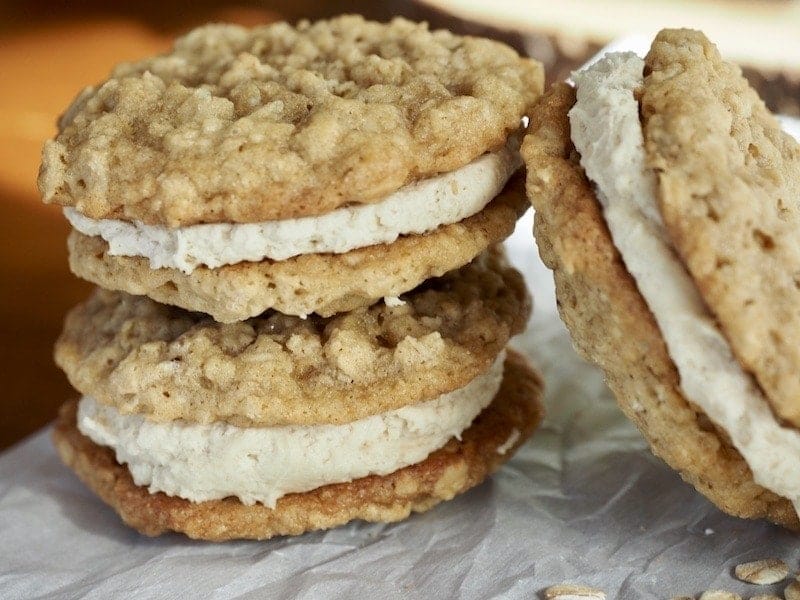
<point>309,169</point>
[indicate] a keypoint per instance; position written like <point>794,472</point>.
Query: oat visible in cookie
<point>324,284</point>
<point>245,125</point>
<point>729,178</point>
<point>612,326</point>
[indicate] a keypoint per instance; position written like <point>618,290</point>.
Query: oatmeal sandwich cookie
<point>460,464</point>
<point>309,169</point>
<point>665,197</point>
<point>279,425</point>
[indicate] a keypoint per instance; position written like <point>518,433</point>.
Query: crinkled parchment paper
<point>583,501</point>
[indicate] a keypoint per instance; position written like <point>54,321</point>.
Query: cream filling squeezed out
<point>261,464</point>
<point>607,133</point>
<point>416,208</point>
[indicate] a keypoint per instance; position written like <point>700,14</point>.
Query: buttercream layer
<point>451,470</point>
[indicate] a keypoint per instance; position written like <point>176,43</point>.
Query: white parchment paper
<point>583,501</point>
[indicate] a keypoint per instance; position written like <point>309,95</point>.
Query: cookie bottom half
<point>513,415</point>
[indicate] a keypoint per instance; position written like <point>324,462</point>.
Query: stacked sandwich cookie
<point>303,310</point>
<point>666,205</point>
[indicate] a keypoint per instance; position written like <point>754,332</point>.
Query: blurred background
<point>50,50</point>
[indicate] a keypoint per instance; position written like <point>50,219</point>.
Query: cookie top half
<point>243,125</point>
<point>728,187</point>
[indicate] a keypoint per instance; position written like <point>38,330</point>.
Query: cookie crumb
<point>567,591</point>
<point>719,595</point>
<point>766,597</point>
<point>762,572</point>
<point>792,591</point>
<point>709,531</point>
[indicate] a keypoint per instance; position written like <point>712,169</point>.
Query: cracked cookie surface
<point>280,121</point>
<point>612,327</point>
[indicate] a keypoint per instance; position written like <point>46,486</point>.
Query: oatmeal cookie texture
<point>166,363</point>
<point>238,125</point>
<point>451,470</point>
<point>729,180</point>
<point>324,284</point>
<point>261,126</point>
<point>612,326</point>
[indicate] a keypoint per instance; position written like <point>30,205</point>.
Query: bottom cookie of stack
<point>175,433</point>
<point>460,465</point>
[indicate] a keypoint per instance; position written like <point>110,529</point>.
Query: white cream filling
<point>607,133</point>
<point>262,464</point>
<point>415,208</point>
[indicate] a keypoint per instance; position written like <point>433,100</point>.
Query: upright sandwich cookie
<point>328,198</point>
<point>309,169</point>
<point>666,205</point>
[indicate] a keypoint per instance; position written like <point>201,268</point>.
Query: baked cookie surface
<point>611,325</point>
<point>729,179</point>
<point>166,363</point>
<point>324,284</point>
<point>280,121</point>
<point>449,471</point>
